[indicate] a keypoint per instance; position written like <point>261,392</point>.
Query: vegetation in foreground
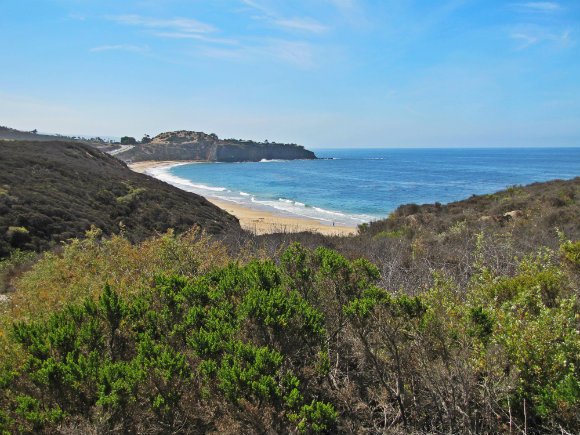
<point>195,341</point>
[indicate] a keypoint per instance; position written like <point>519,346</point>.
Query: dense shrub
<point>310,343</point>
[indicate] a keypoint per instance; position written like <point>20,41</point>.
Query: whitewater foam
<point>282,206</point>
<point>164,174</point>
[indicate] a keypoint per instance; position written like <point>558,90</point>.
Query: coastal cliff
<point>190,145</point>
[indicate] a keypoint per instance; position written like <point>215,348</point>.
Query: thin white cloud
<point>257,6</point>
<point>305,24</point>
<point>539,6</point>
<point>525,39</point>
<point>528,36</point>
<point>197,37</point>
<point>296,53</point>
<point>120,47</point>
<point>302,24</point>
<point>185,25</point>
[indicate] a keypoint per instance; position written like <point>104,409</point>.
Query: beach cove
<point>257,221</point>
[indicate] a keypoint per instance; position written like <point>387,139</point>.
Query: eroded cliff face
<point>190,145</point>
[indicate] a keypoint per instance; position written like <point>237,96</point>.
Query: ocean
<point>352,186</point>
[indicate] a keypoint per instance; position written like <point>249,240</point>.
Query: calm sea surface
<point>351,186</point>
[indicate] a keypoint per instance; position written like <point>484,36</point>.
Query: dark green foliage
<point>482,323</point>
<point>311,345</point>
<point>32,411</point>
<point>316,416</point>
<point>237,338</point>
<point>128,140</point>
<point>54,191</point>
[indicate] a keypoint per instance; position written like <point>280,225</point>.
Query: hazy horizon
<point>326,74</point>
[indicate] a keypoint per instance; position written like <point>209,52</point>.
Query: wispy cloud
<point>528,36</point>
<point>297,53</point>
<point>197,37</point>
<point>542,7</point>
<point>542,23</point>
<point>120,47</point>
<point>175,28</point>
<point>257,6</point>
<point>525,39</point>
<point>301,24</point>
<point>182,25</point>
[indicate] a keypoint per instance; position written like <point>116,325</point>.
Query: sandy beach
<point>255,220</point>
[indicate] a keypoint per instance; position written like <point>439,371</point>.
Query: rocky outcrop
<point>190,145</point>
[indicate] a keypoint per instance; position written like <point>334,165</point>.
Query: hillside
<point>7,133</point>
<point>538,207</point>
<point>53,191</point>
<point>189,145</point>
<point>416,239</point>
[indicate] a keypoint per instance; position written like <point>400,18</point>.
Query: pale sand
<point>255,220</point>
<point>141,167</point>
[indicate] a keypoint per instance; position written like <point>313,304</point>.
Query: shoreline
<point>256,220</point>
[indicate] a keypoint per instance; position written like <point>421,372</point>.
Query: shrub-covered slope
<point>53,191</point>
<point>308,343</point>
<point>538,206</point>
<point>417,239</point>
<point>7,133</point>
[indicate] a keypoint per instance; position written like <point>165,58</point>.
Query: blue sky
<point>323,73</point>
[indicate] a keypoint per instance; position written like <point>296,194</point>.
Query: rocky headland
<point>190,145</point>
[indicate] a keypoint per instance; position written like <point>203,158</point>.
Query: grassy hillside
<point>53,191</point>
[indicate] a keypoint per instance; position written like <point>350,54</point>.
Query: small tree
<point>128,140</point>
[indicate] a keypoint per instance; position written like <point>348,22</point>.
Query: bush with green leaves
<point>309,343</point>
<point>234,341</point>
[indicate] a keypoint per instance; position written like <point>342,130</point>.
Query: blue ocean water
<point>351,186</point>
